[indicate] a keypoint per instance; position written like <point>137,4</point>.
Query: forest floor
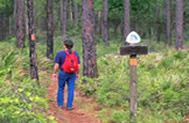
<point>85,109</point>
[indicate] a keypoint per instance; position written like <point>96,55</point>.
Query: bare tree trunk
<point>7,24</point>
<point>1,28</point>
<point>135,24</point>
<point>20,23</point>
<point>76,11</point>
<point>127,18</point>
<point>89,43</point>
<point>32,41</point>
<point>116,30</point>
<point>122,30</point>
<point>168,23</point>
<point>179,24</point>
<point>64,18</point>
<point>26,23</point>
<point>100,22</point>
<point>70,10</point>
<point>158,24</point>
<point>50,29</point>
<point>105,23</point>
<point>10,26</point>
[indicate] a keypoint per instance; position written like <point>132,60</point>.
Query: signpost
<point>133,50</point>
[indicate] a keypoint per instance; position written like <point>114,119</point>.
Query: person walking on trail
<point>68,61</point>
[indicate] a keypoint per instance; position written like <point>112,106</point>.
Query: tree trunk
<point>20,23</point>
<point>126,18</point>
<point>89,43</point>
<point>64,18</point>
<point>1,28</point>
<point>70,10</point>
<point>6,26</point>
<point>99,24</point>
<point>50,29</point>
<point>3,19</point>
<point>116,30</point>
<point>135,24</point>
<point>76,11</point>
<point>179,24</point>
<point>33,58</point>
<point>158,24</point>
<point>168,23</point>
<point>105,22</point>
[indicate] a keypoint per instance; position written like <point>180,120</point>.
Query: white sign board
<point>133,38</point>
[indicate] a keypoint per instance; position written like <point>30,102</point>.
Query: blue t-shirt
<point>60,57</point>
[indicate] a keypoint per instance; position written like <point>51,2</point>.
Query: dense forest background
<point>148,18</point>
<point>32,31</point>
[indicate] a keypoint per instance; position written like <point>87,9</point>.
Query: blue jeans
<point>64,78</point>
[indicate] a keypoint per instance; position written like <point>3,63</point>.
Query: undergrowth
<point>162,86</point>
<point>22,99</point>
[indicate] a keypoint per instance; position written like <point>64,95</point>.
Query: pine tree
<point>50,29</point>
<point>32,41</point>
<point>89,44</point>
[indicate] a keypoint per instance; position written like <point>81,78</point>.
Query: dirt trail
<point>83,112</point>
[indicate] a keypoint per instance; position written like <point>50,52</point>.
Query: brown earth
<point>85,109</point>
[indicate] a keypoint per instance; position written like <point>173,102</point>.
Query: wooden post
<point>133,51</point>
<point>133,88</point>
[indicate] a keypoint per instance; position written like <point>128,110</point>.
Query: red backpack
<point>71,63</point>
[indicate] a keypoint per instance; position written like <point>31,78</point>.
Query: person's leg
<point>71,86</point>
<point>61,85</point>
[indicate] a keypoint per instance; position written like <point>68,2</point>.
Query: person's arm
<point>78,71</point>
<point>56,66</point>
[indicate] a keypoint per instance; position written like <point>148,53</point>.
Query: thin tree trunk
<point>10,26</point>
<point>1,28</point>
<point>76,11</point>
<point>3,33</point>
<point>168,23</point>
<point>127,18</point>
<point>122,30</point>
<point>20,23</point>
<point>50,29</point>
<point>89,43</point>
<point>64,18</point>
<point>158,24</point>
<point>100,22</point>
<point>70,10</point>
<point>135,24</point>
<point>179,24</point>
<point>105,23</point>
<point>32,41</point>
<point>7,26</point>
<point>116,30</point>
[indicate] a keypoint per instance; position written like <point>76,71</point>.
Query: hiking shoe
<point>71,108</point>
<point>60,107</point>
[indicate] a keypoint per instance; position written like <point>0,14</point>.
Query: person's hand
<point>77,76</point>
<point>54,75</point>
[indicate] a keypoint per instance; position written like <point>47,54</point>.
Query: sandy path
<point>83,112</point>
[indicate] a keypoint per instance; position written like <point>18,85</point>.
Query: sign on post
<point>133,38</point>
<point>133,50</point>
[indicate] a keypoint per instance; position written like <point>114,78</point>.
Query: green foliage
<point>6,7</point>
<point>98,5</point>
<point>111,81</point>
<point>21,99</point>
<point>120,116</point>
<point>162,85</point>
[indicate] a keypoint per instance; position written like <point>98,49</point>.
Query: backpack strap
<point>72,52</point>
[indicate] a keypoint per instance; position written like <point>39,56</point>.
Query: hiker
<point>68,61</point>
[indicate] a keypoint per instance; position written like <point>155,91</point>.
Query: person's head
<point>68,44</point>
